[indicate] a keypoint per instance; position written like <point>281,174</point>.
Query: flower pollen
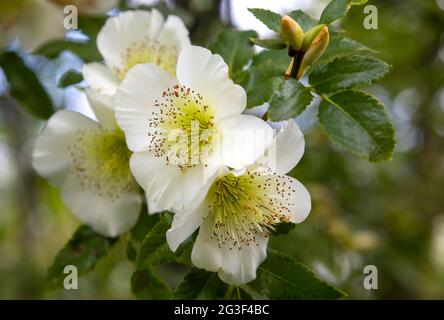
<point>241,207</point>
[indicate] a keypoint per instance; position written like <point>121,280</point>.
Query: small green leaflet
<point>335,10</point>
<point>269,43</point>
<point>70,78</point>
<point>346,73</point>
<point>155,250</point>
<point>271,19</point>
<point>84,250</point>
<point>340,47</point>
<point>87,51</point>
<point>359,123</point>
<point>25,87</point>
<point>305,21</point>
<point>289,100</point>
<point>145,285</point>
<point>236,49</point>
<point>199,284</point>
<point>282,277</point>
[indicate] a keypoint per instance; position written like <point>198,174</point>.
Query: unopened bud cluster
<point>304,48</point>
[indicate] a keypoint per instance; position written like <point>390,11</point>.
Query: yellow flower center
<point>149,51</point>
<point>100,162</point>
<point>241,207</point>
<point>182,129</point>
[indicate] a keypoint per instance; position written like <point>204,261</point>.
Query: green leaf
<point>144,225</point>
<point>236,49</point>
<point>91,25</point>
<point>70,78</point>
<point>346,73</point>
<point>282,277</point>
<point>145,285</point>
<point>283,228</point>
<point>269,43</point>
<point>86,51</point>
<point>84,250</point>
<point>199,284</point>
<point>358,2</point>
<point>276,60</point>
<point>340,47</point>
<point>155,250</point>
<point>359,123</point>
<point>260,84</point>
<point>25,87</point>
<point>290,99</point>
<point>271,19</point>
<point>305,21</point>
<point>335,10</point>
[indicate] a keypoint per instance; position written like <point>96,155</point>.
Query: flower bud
<point>316,49</point>
<point>310,36</point>
<point>291,33</point>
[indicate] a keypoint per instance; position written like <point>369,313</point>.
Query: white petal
<point>234,266</point>
<point>174,33</point>
<point>244,139</point>
<point>300,201</point>
<point>167,185</point>
<point>184,224</point>
<point>50,156</point>
<point>287,148</point>
<point>123,31</point>
<point>103,107</point>
<point>109,218</point>
<point>153,207</point>
<point>135,102</point>
<point>31,29</point>
<point>100,78</point>
<point>207,74</point>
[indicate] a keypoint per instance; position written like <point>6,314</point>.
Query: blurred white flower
<point>240,209</point>
<point>89,162</point>
<point>34,22</point>
<point>153,109</point>
<point>131,38</point>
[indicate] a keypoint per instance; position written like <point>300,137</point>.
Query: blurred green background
<point>390,215</point>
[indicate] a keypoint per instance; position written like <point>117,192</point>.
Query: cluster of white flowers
<point>170,120</point>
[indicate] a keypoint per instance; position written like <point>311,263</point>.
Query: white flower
<point>33,22</point>
<point>240,209</point>
<point>131,38</point>
<point>152,107</point>
<point>89,162</point>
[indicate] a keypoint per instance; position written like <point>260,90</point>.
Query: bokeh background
<point>390,215</point>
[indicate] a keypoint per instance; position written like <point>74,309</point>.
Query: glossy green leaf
<point>283,228</point>
<point>87,51</point>
<point>199,284</point>
<point>276,60</point>
<point>83,251</point>
<point>144,225</point>
<point>25,87</point>
<point>145,285</point>
<point>282,277</point>
<point>155,250</point>
<point>70,78</point>
<point>236,49</point>
<point>290,99</point>
<point>91,25</point>
<point>305,21</point>
<point>335,10</point>
<point>340,47</point>
<point>271,19</point>
<point>346,73</point>
<point>261,84</point>
<point>359,123</point>
<point>269,43</point>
